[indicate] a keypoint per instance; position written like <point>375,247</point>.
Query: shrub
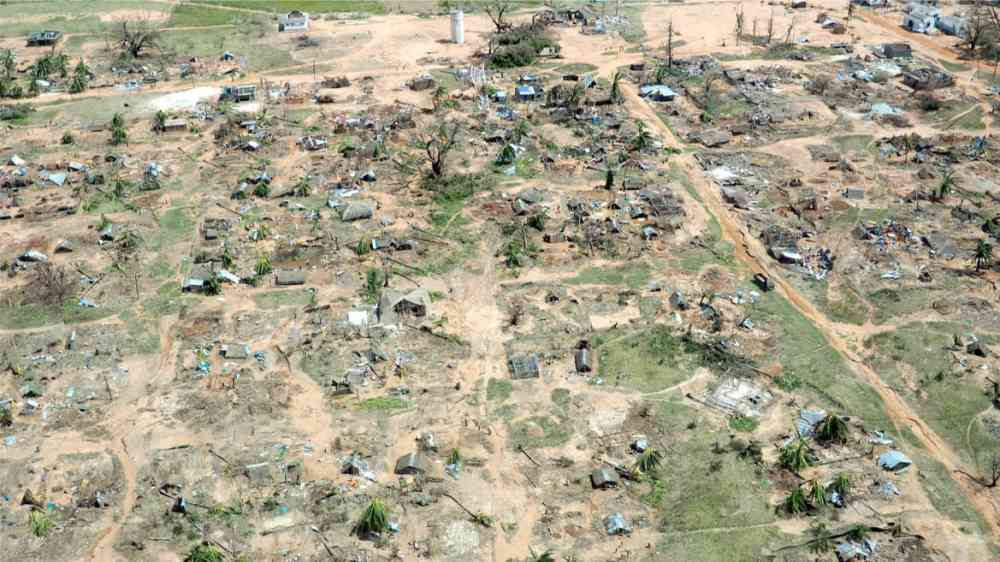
<point>374,520</point>
<point>205,552</point>
<point>213,286</point>
<point>68,138</point>
<point>929,103</point>
<point>16,111</point>
<point>796,456</point>
<point>263,266</point>
<point>39,522</point>
<point>833,428</point>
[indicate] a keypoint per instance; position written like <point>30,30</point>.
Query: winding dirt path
<point>750,251</point>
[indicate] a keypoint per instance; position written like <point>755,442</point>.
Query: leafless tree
<point>670,43</point>
<point>979,24</point>
<point>51,285</point>
<point>739,24</point>
<point>789,31</point>
<point>437,142</point>
<point>497,11</point>
<point>993,478</point>
<point>770,28</point>
<point>134,37</point>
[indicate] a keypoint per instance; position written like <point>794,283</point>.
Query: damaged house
<point>921,19</point>
<point>294,21</point>
<point>396,305</point>
<point>44,38</point>
<point>238,93</point>
<point>928,79</point>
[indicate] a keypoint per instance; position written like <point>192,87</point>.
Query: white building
<point>294,21</point>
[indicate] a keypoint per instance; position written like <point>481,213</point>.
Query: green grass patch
<point>703,489</point>
<point>539,432</point>
<point>805,354</point>
<point>946,496</point>
<point>954,66</point>
<point>176,226</point>
<point>576,68</point>
<point>169,299</point>
<point>746,545</point>
<point>971,121</point>
<point>499,390</point>
<point>743,424</point>
<point>384,404</point>
<point>633,275</point>
<point>209,43</point>
<point>277,299</point>
<point>35,316</point>
<point>647,360</point>
<point>185,15</point>
<point>848,308</point>
<point>561,397</point>
<point>309,6</point>
<point>948,401</point>
<point>852,143</point>
<point>892,303</point>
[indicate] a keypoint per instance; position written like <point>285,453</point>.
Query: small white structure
<point>921,19</point>
<point>458,27</point>
<point>294,21</point>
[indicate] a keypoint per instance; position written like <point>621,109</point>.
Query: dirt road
<point>751,253</point>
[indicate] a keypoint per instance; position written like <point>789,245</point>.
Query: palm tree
<point>643,140</point>
<point>60,64</point>
<point>821,537</point>
<point>302,187</point>
<point>831,429</point>
<point>947,185</point>
<point>795,502</point>
<point>648,461</point>
<point>983,255</point>
<point>857,533</point>
<point>374,520</point>
<point>796,456</point>
<point>118,133</point>
<point>543,557</point>
<point>841,484</point>
<point>78,84</point>
<point>616,88</point>
<point>263,266</point>
<point>817,494</point>
<point>8,62</point>
<point>160,121</point>
<point>521,129</point>
<point>439,99</point>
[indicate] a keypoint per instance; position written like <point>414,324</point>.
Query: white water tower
<point>457,27</point>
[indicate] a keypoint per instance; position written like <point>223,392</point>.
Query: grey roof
<point>357,211</point>
<point>286,278</point>
<point>603,478</point>
<point>411,463</point>
<point>236,351</point>
<point>657,91</point>
<point>894,460</point>
<point>582,360</point>
<point>393,303</point>
<point>524,366</point>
